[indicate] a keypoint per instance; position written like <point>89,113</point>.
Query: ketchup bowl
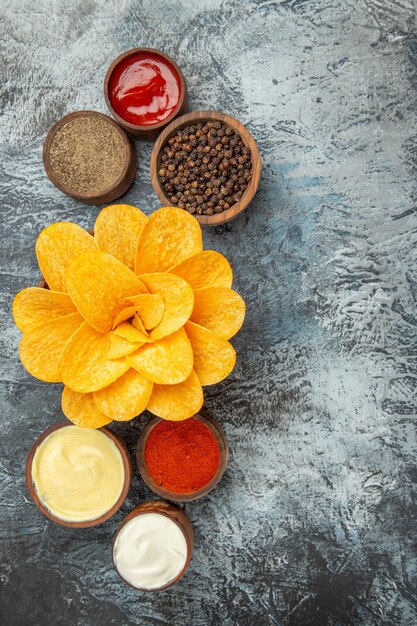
<point>144,91</point>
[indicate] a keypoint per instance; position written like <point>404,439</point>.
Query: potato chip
<point>117,231</point>
<point>167,362</point>
<point>34,306</point>
<point>179,301</point>
<point>120,347</point>
<point>98,285</point>
<point>57,245</point>
<point>84,365</point>
<point>205,269</point>
<point>124,315</point>
<point>126,398</point>
<point>129,332</point>
<point>219,309</point>
<point>177,402</point>
<point>138,324</point>
<point>214,358</point>
<point>41,348</point>
<point>81,409</point>
<point>150,308</point>
<point>170,236</point>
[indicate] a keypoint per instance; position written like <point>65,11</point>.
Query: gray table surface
<point>314,521</point>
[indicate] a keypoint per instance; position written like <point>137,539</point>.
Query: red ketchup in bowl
<point>144,89</point>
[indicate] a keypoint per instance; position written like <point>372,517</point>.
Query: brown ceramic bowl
<point>147,132</point>
<point>220,436</point>
<point>99,520</point>
<point>118,188</point>
<point>202,116</point>
<point>176,515</point>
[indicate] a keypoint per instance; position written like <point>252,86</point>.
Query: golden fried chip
<point>126,397</point>
<point>84,365</point>
<point>205,269</point>
<point>214,358</point>
<point>34,306</point>
<point>57,245</point>
<point>167,362</point>
<point>41,348</point>
<point>219,309</point>
<point>124,315</point>
<point>150,308</point>
<point>80,408</point>
<point>138,324</point>
<point>120,347</point>
<point>169,236</point>
<point>131,333</point>
<point>177,402</point>
<point>179,301</point>
<point>117,231</point>
<point>98,285</point>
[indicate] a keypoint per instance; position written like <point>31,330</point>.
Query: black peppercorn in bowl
<point>208,164</point>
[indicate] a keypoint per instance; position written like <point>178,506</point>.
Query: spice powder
<point>87,155</point>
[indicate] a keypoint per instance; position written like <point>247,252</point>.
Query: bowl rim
<point>134,128</point>
<point>130,157</point>
<point>248,140</point>
<point>221,439</point>
<point>127,466</point>
<point>175,514</point>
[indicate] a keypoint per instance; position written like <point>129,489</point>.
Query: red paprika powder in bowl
<point>182,461</point>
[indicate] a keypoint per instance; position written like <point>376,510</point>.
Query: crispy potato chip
<point>117,231</point>
<point>131,333</point>
<point>126,397</point>
<point>41,348</point>
<point>177,402</point>
<point>150,308</point>
<point>138,324</point>
<point>179,301</point>
<point>120,347</point>
<point>84,365</point>
<point>124,315</point>
<point>205,269</point>
<point>81,409</point>
<point>98,285</point>
<point>169,236</point>
<point>214,358</point>
<point>219,309</point>
<point>57,245</point>
<point>167,362</point>
<point>34,306</point>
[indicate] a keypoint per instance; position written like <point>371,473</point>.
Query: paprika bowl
<point>127,466</point>
<point>193,118</point>
<point>220,437</point>
<point>173,513</point>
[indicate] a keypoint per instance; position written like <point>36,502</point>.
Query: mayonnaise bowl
<point>78,477</point>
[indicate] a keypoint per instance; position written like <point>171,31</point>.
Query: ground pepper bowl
<point>203,116</point>
<point>176,515</point>
<point>151,131</point>
<point>220,436</point>
<point>115,190</point>
<point>99,520</point>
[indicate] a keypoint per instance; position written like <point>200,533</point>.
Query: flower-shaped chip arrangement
<point>136,317</point>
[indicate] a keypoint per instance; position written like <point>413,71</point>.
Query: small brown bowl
<point>152,131</point>
<point>202,116</point>
<point>220,436</point>
<point>118,188</point>
<point>99,520</point>
<point>176,515</point>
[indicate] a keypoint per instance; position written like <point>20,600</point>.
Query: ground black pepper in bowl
<point>205,168</point>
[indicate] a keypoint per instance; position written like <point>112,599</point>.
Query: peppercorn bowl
<point>208,163</point>
<point>216,431</point>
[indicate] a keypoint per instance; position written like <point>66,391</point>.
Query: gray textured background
<point>314,522</point>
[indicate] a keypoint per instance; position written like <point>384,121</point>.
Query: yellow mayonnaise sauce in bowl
<point>78,474</point>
